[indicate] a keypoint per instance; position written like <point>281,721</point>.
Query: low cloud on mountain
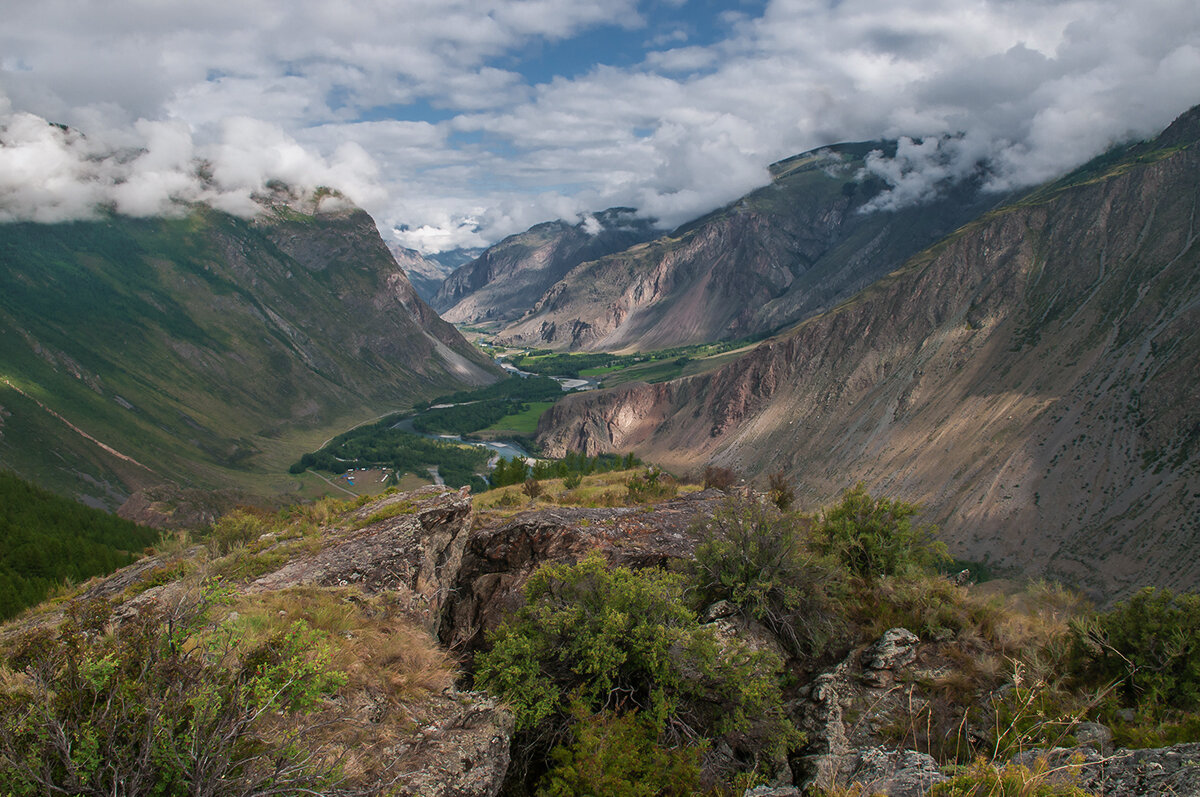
<point>461,121</point>
<point>50,173</point>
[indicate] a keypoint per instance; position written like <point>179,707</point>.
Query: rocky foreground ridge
<point>418,567</point>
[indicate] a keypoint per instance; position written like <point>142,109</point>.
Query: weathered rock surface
<point>897,648</point>
<point>417,551</point>
<point>865,683</point>
<point>501,555</point>
<point>895,773</point>
<point>1127,773</point>
<point>460,748</point>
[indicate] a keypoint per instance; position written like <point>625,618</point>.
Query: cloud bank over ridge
<point>456,122</point>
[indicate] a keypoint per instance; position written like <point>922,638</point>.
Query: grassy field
<point>521,423</point>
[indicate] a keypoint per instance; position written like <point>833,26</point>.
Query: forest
<point>378,444</point>
<point>46,540</point>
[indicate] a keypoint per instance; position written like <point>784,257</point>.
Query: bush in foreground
<point>1149,645</point>
<point>875,537</point>
<point>592,638</point>
<point>161,704</point>
<point>758,558</point>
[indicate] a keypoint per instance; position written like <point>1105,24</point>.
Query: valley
<point>751,398</point>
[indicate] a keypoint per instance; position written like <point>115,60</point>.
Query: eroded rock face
<point>418,550</point>
<point>862,682</point>
<point>897,648</point>
<point>895,773</point>
<point>502,554</point>
<point>460,749</point>
<point>1127,773</point>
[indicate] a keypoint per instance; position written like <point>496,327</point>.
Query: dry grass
<point>392,666</point>
<point>596,490</point>
<point>379,648</point>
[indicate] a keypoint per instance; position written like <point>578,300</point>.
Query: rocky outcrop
<point>896,649</point>
<point>501,554</point>
<point>459,748</point>
<point>414,548</point>
<point>864,685</point>
<point>1125,773</point>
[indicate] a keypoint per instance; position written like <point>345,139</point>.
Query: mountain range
<point>786,251</point>
<point>498,285</point>
<point>1029,378</point>
<point>206,351</point>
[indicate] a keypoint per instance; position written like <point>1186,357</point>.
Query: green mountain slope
<point>207,351</point>
<point>45,539</point>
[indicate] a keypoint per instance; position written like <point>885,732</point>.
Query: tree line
<point>46,539</point>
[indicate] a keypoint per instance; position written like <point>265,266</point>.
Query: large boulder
<point>410,543</point>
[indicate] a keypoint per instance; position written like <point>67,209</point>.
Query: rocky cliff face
<point>504,281</point>
<point>425,274</point>
<point>779,254</point>
<point>190,351</point>
<point>1030,380</point>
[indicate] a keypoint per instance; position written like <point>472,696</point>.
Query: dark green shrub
<point>619,755</point>
<point>875,537</point>
<point>161,704</point>
<point>1149,645</point>
<point>572,480</point>
<point>601,638</point>
<point>756,558</point>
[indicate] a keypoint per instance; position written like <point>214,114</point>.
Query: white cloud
<point>48,173</point>
<point>1031,87</point>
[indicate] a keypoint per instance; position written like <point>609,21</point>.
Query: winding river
<point>503,449</point>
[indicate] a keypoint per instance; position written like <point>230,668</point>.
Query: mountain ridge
<point>497,285</point>
<point>205,350</point>
<point>1030,379</point>
<point>779,254</point>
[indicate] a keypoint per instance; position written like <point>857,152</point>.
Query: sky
<point>457,122</point>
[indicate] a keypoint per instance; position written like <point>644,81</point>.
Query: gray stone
<point>1126,773</point>
<point>894,773</point>
<point>895,649</point>
<point>461,751</point>
<point>1094,735</point>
